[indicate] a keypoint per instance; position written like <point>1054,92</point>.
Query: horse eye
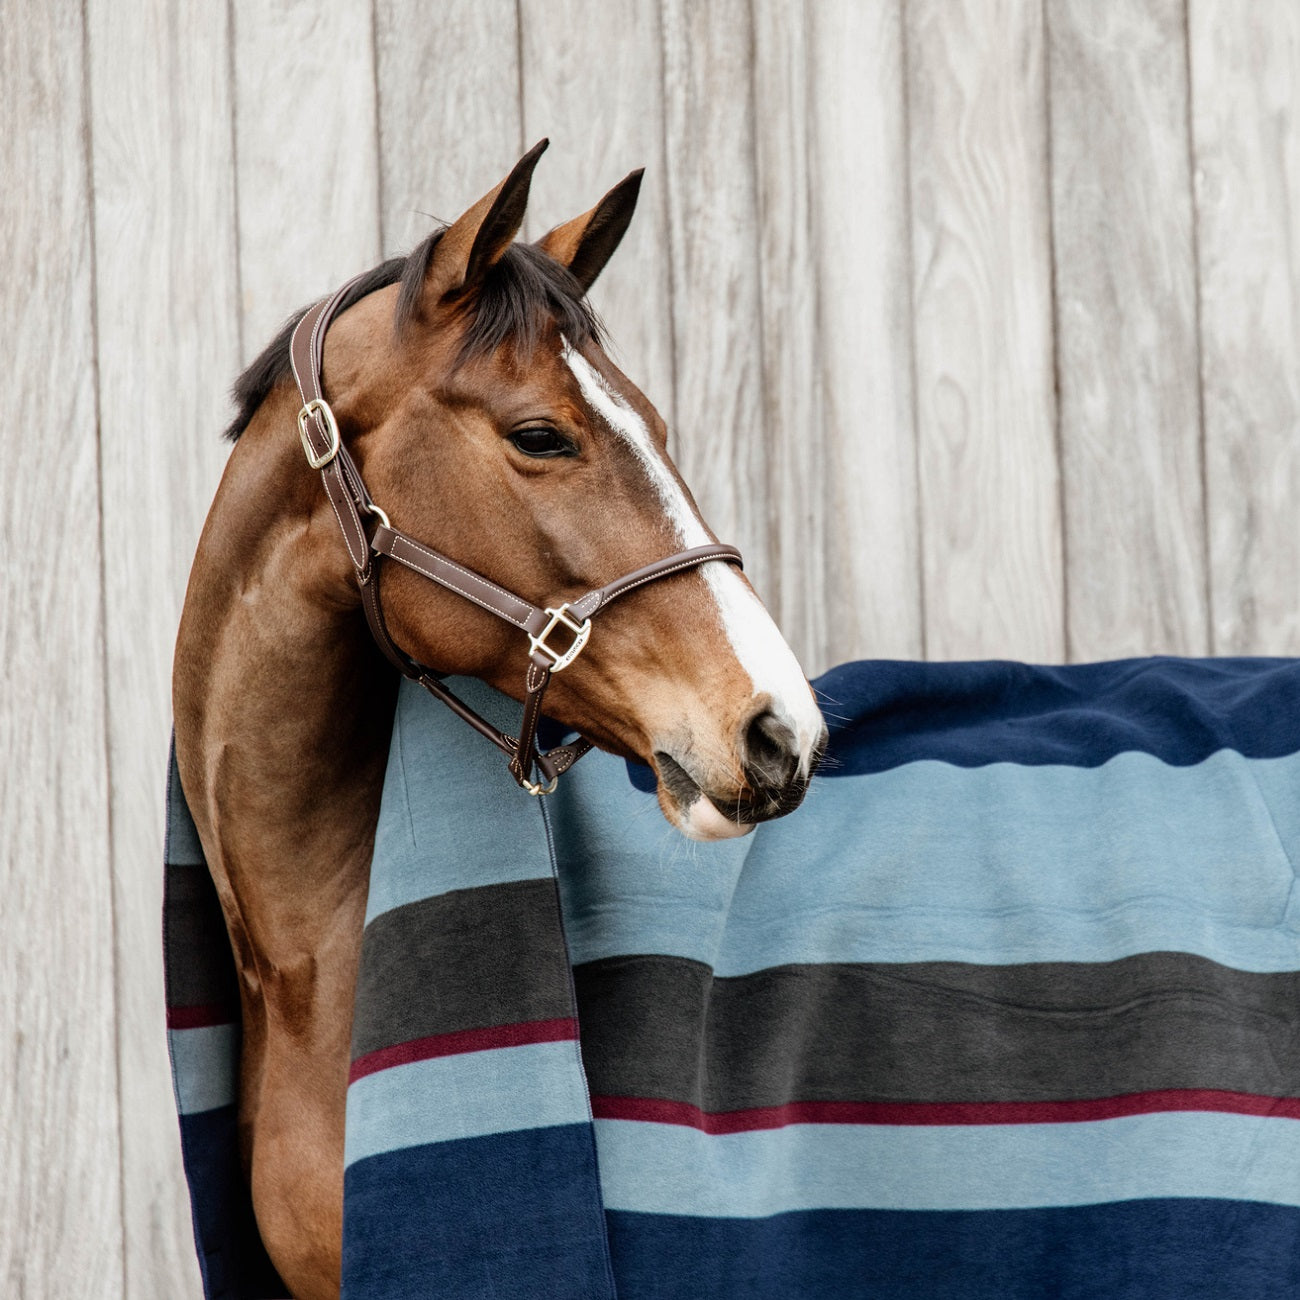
<point>542,442</point>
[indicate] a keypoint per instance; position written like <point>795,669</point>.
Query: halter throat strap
<point>556,634</point>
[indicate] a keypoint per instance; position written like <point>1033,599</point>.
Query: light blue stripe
<point>1277,782</point>
<point>452,816</point>
<point>469,1095</point>
<point>667,1169</point>
<point>181,846</point>
<point>997,864</point>
<point>204,1065</point>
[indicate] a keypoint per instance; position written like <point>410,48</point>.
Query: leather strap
<point>323,446</point>
<point>455,577</point>
<point>320,433</point>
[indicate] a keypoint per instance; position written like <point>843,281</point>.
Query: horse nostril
<point>771,752</point>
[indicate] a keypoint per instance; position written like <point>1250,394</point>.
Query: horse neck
<point>282,707</point>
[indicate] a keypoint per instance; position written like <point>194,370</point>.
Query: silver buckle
<point>560,618</point>
<point>319,406</point>
<point>536,788</point>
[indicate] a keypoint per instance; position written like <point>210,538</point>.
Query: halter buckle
<point>537,788</point>
<point>319,406</point>
<point>560,618</point>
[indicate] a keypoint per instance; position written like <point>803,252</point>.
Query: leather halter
<point>350,499</point>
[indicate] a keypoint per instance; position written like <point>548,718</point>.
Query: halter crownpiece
<point>556,634</point>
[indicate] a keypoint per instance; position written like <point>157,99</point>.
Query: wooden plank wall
<point>977,323</point>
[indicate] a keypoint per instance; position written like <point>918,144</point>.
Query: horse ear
<point>476,240</point>
<point>587,242</point>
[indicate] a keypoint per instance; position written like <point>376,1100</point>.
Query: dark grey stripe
<point>199,966</point>
<point>663,1027</point>
<point>468,959</point>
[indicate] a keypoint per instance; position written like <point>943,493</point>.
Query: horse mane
<point>522,292</point>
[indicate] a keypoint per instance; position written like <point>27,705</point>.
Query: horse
<point>466,392</point>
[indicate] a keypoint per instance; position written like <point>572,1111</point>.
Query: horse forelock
<point>520,295</point>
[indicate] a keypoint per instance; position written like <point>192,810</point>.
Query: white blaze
<point>758,644</point>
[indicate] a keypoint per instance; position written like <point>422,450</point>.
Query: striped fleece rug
<point>1009,1010</point>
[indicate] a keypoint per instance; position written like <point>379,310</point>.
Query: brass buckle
<point>319,406</point>
<point>560,618</point>
<point>536,787</point>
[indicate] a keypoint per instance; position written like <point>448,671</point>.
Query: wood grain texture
<point>168,333</point>
<point>448,109</point>
<point>1245,90</point>
<point>593,83</point>
<point>981,241</point>
<point>721,445</point>
<point>810,169</point>
<point>860,236</point>
<point>795,444</point>
<point>60,1187</point>
<point>1126,326</point>
<point>306,153</point>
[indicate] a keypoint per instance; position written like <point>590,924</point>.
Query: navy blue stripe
<point>884,713</point>
<point>1133,1250</point>
<point>1180,710</point>
<point>504,1217</point>
<point>232,1259</point>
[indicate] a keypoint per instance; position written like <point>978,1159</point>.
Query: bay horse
<point>470,389</point>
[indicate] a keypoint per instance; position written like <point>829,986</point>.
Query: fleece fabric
<point>1009,1008</point>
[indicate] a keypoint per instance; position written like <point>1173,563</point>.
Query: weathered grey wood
<point>795,451</point>
<point>60,1189</point>
<point>307,154</point>
<point>593,83</point>
<point>167,294</point>
<point>981,241</point>
<point>1126,328</point>
<point>448,83</point>
<point>764,298</point>
<point>858,209</point>
<point>1245,90</point>
<point>721,442</point>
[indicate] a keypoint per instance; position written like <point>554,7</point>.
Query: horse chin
<point>688,808</point>
<point>702,821</point>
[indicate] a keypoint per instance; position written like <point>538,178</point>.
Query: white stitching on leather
<point>324,311</point>
<point>293,361</point>
<point>697,563</point>
<point>474,577</point>
<point>444,582</point>
<point>469,573</point>
<point>356,564</point>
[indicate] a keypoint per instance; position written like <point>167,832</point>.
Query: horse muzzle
<point>769,779</point>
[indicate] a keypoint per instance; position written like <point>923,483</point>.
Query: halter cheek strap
<point>556,634</point>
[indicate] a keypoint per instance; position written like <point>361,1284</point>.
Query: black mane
<point>520,294</point>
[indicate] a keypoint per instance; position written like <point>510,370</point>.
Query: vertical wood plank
<point>860,241</point>
<point>991,536</point>
<point>60,1187</point>
<point>1126,327</point>
<point>168,350</point>
<point>306,151</point>
<point>795,448</point>
<point>721,443</point>
<point>448,109</point>
<point>617,48</point>
<point>1245,90</point>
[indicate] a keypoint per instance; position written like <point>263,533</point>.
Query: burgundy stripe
<point>463,1040</point>
<point>201,1016</point>
<point>656,1111</point>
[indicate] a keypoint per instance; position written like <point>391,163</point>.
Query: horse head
<point>476,397</point>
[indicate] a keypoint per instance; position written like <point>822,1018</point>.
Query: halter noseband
<point>350,499</point>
